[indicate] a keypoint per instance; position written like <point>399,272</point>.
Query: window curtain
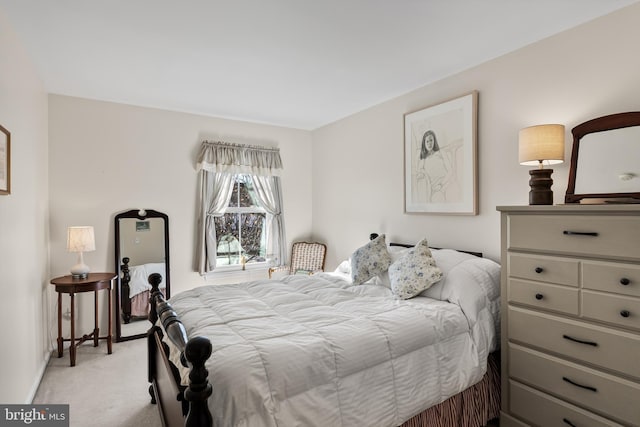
<point>221,157</point>
<point>218,163</point>
<point>269,196</point>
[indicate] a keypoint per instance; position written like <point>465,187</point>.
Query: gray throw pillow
<point>414,272</point>
<point>370,260</point>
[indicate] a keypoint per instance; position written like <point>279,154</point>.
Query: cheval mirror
<point>604,160</point>
<point>141,248</point>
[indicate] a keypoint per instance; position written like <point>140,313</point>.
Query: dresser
<point>570,333</point>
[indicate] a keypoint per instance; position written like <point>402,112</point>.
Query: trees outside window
<point>241,230</point>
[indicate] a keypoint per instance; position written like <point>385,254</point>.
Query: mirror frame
<point>610,122</point>
<point>140,214</point>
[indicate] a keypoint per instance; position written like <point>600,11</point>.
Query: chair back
<point>307,256</point>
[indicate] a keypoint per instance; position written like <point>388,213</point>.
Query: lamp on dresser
<point>537,145</point>
<point>80,239</point>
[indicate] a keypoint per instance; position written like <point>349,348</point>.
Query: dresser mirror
<point>141,248</point>
<point>604,160</point>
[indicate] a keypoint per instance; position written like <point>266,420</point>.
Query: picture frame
<point>143,226</point>
<point>440,157</point>
<point>5,161</point>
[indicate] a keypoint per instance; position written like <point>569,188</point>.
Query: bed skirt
<point>140,305</point>
<point>473,407</point>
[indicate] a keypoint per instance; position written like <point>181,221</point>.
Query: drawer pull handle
<point>579,233</point>
<point>539,270</point>
<point>567,422</point>
<point>539,296</point>
<point>586,387</point>
<point>625,313</point>
<point>567,337</point>
<point>624,281</point>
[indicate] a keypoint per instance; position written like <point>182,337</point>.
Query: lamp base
<point>80,270</point>
<point>540,184</point>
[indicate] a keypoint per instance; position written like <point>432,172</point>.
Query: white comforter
<point>317,351</point>
<point>139,277</point>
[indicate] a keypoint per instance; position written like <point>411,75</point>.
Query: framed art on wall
<point>5,161</point>
<point>143,226</point>
<point>440,161</point>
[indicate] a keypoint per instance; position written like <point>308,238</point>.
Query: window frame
<point>239,210</point>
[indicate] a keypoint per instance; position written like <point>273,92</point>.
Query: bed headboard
<point>405,245</point>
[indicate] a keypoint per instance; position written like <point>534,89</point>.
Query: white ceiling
<point>294,63</point>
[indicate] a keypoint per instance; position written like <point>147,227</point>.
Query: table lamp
<point>80,239</point>
<point>538,144</point>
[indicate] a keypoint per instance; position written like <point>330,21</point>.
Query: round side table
<point>70,285</point>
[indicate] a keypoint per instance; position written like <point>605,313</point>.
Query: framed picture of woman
<point>440,161</point>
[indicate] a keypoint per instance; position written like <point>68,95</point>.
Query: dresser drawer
<point>545,269</point>
<point>602,393</point>
<point>542,409</point>
<point>606,235</point>
<point>615,309</point>
<point>605,347</point>
<point>611,277</point>
<point>543,295</point>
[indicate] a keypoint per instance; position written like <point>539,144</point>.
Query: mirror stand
<point>141,249</point>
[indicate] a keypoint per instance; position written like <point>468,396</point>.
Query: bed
<point>323,351</point>
<point>135,288</point>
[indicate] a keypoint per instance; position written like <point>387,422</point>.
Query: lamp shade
<point>541,143</point>
<point>80,239</point>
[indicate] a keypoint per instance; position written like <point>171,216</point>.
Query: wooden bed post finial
<point>197,352</point>
<point>125,290</point>
<point>154,281</point>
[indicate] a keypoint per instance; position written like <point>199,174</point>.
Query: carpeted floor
<point>102,389</point>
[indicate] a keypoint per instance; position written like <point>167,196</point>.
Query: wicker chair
<point>306,258</point>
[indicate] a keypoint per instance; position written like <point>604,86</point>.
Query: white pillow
<point>414,272</point>
<point>448,260</point>
<point>370,260</point>
<point>344,267</point>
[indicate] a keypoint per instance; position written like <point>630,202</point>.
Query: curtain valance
<point>223,157</point>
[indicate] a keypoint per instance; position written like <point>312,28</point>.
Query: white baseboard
<point>36,384</point>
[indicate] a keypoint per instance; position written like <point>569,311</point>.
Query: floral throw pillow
<point>370,260</point>
<point>415,272</point>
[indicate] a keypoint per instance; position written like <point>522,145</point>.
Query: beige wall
<point>580,74</point>
<point>107,158</point>
<point>24,229</point>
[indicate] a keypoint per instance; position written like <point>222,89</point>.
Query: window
<point>240,218</point>
<point>241,229</point>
